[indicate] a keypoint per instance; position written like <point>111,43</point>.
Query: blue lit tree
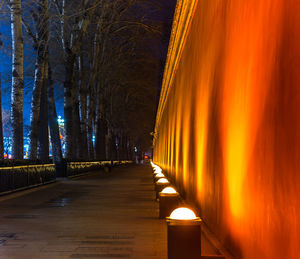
<point>17,79</point>
<point>100,56</point>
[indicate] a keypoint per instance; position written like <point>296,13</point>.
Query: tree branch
<point>30,33</point>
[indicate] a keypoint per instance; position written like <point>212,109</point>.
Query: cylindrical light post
<point>158,176</point>
<point>168,201</point>
<point>155,173</point>
<point>160,185</point>
<point>184,234</point>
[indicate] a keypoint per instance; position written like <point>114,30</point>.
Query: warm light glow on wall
<point>227,128</point>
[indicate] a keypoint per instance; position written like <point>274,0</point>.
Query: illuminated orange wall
<point>229,133</point>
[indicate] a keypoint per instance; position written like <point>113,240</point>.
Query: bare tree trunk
<point>103,128</point>
<point>1,127</point>
<point>97,124</point>
<point>131,153</point>
<point>117,147</point>
<point>68,107</point>
<point>90,121</point>
<point>122,146</point>
<point>17,79</point>
<point>127,157</point>
<point>114,154</point>
<point>35,110</point>
<point>69,67</point>
<point>72,47</point>
<point>107,144</point>
<point>76,120</point>
<point>42,24</point>
<point>53,124</point>
<point>100,128</point>
<point>43,139</point>
<point>83,109</point>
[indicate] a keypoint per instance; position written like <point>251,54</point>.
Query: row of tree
<point>102,55</point>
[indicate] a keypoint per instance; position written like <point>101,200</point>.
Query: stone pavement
<point>101,215</point>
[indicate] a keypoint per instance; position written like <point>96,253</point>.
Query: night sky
<point>159,49</point>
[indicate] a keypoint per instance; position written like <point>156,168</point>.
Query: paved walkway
<point>97,216</point>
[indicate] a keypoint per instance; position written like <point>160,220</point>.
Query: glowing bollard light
<point>156,173</point>
<point>158,176</point>
<point>160,184</point>
<point>184,234</point>
<point>157,170</point>
<point>168,201</point>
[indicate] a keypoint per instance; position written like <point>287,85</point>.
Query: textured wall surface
<point>228,131</point>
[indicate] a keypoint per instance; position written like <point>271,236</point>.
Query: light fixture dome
<point>160,175</point>
<point>163,180</point>
<point>157,171</point>
<point>183,214</point>
<point>169,190</point>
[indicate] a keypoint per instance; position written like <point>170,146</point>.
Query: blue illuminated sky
<point>29,60</point>
<point>5,70</point>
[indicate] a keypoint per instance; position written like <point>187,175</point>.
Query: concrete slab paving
<point>101,215</point>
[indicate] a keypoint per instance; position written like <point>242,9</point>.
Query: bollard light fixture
<point>159,175</point>
<point>163,180</point>
<point>183,214</point>
<point>184,234</point>
<point>169,200</point>
<point>160,184</point>
<point>157,171</point>
<point>168,190</point>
